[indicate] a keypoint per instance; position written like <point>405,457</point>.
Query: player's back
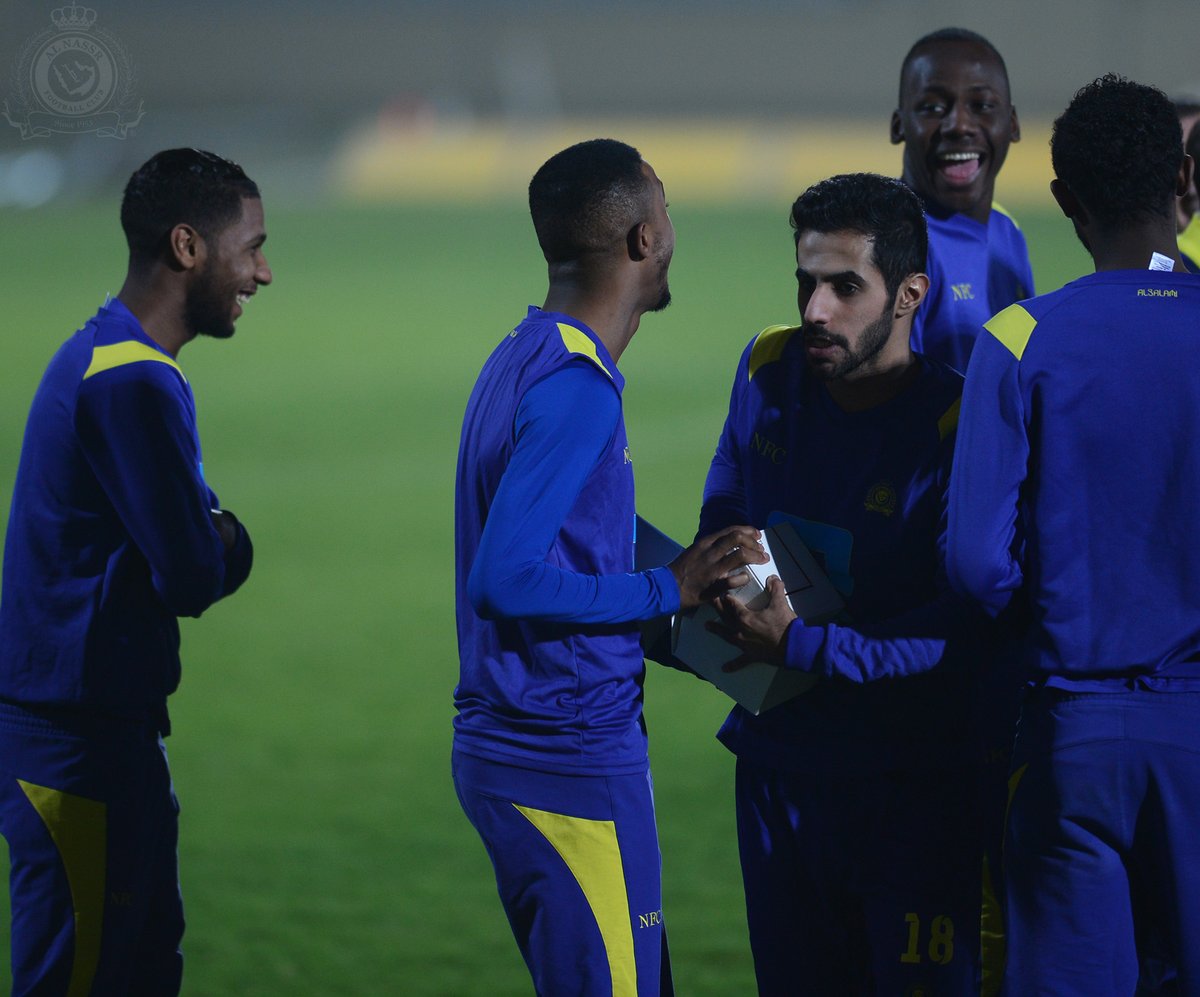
<point>1111,395</point>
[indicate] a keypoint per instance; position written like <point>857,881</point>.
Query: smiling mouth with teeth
<point>959,167</point>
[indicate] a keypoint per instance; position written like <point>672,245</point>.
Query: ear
<point>896,131</point>
<point>1067,201</point>
<point>910,294</point>
<point>1187,172</point>
<point>639,242</point>
<point>186,247</point>
<point>1016,127</point>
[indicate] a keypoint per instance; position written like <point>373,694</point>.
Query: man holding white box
<point>857,819</point>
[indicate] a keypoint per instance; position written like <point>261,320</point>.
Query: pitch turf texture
<point>323,851</point>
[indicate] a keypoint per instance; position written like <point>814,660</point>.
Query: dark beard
<point>207,309</point>
<point>873,339</point>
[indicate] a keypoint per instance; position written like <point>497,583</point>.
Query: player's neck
<point>609,314</point>
<point>159,312</point>
<point>881,383</point>
<point>1133,247</point>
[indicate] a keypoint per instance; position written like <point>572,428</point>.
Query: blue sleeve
<point>724,489</point>
<point>564,425</point>
<point>989,470</point>
<point>137,430</point>
<point>910,644</point>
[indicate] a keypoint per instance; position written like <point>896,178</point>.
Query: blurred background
<point>367,99</point>
<point>322,849</point>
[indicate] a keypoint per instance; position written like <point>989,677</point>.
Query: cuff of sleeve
<point>668,589</point>
<point>239,558</point>
<point>804,645</point>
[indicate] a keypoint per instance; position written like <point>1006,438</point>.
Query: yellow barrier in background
<point>698,160</point>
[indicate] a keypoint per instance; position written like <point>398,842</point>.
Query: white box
<point>758,686</point>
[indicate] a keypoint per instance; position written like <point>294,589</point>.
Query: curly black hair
<point>882,208</point>
<point>181,186</point>
<point>1118,146</point>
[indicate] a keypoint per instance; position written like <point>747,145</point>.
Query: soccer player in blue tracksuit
<point>856,802</point>
<point>956,120</point>
<point>113,534</point>
<point>1071,503</point>
<point>550,759</point>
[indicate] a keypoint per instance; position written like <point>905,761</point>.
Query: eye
<point>845,288</point>
<point>931,107</point>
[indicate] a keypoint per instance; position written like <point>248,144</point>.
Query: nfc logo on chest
<point>962,292</point>
<point>765,448</point>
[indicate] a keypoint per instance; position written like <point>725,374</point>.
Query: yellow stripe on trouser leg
<point>591,852</point>
<point>993,941</point>
<point>78,829</point>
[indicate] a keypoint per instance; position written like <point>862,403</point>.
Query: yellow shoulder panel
<point>768,346</point>
<point>577,342</point>
<point>948,423</point>
<point>119,354</point>
<point>1012,327</point>
<point>1004,211</point>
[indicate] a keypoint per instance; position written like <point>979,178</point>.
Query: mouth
<point>958,169</point>
<point>240,301</point>
<point>820,347</point>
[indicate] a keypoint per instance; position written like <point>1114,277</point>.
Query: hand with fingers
<point>715,564</point>
<point>760,634</point>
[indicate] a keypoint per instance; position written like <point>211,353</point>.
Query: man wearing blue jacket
<point>1071,504</point>
<point>113,534</point>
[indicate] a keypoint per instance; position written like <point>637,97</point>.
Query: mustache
<point>811,332</point>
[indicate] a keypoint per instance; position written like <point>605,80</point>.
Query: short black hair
<point>948,35</point>
<point>586,198</point>
<point>882,208</point>
<point>177,186</point>
<point>1118,146</point>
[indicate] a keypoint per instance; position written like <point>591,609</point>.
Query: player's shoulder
<point>767,348</point>
<point>133,370</point>
<point>1014,326</point>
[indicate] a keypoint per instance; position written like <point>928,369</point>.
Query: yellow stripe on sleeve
<point>1012,327</point>
<point>768,346</point>
<point>578,342</point>
<point>590,850</point>
<point>78,827</point>
<point>120,354</point>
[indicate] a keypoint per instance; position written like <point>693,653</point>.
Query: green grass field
<point>323,851</point>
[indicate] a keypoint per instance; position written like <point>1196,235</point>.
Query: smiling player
<point>113,535</point>
<point>956,121</point>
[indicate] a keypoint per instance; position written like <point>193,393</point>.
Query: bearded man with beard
<point>856,802</point>
<point>113,534</point>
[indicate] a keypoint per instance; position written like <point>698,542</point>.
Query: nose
<point>817,309</point>
<point>262,272</point>
<point>958,119</point>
